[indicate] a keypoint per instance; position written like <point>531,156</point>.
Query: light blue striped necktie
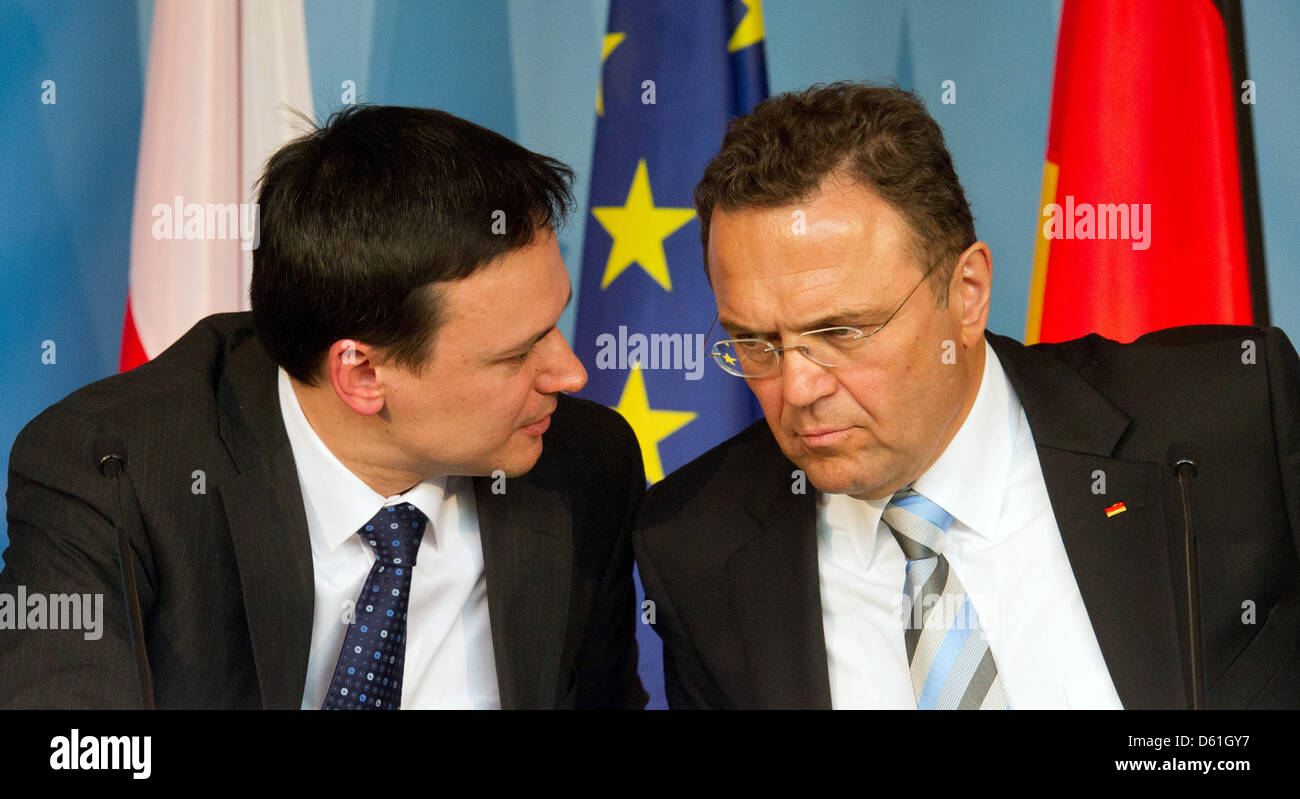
<point>951,664</point>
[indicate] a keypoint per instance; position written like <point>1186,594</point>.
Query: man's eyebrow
<point>528,343</point>
<point>844,317</point>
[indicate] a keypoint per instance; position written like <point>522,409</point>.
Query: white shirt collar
<point>968,480</point>
<point>337,502</point>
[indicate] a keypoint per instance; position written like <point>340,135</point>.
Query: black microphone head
<point>112,465</point>
<point>1183,454</point>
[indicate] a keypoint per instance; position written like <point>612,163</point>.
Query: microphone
<point>113,466</point>
<point>1182,458</point>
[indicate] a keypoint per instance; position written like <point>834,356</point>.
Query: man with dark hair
<point>989,525</point>
<point>372,491</point>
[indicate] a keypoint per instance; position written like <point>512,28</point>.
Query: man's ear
<point>350,365</point>
<point>973,287</point>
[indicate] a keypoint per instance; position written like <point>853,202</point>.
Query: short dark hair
<point>360,216</point>
<point>879,136</point>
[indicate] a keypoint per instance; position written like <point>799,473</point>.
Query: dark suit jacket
<point>728,552</point>
<point>226,576</point>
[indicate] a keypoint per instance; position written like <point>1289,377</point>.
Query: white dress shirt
<point>449,659</point>
<point>1003,544</point>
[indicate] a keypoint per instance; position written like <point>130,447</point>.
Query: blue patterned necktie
<point>949,658</point>
<point>369,672</point>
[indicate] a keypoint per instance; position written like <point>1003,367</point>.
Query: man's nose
<point>803,381</point>
<point>562,370</point>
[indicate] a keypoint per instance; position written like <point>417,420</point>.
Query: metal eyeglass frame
<point>803,348</point>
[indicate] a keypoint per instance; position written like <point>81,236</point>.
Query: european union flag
<point>673,75</point>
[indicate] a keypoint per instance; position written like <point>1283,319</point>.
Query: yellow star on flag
<point>639,229</point>
<point>750,29</point>
<point>650,425</point>
<point>612,40</point>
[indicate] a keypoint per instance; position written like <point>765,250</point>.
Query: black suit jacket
<point>728,552</point>
<point>226,573</point>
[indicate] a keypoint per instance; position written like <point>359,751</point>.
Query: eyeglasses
<point>827,346</point>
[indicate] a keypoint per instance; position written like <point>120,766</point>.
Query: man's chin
<point>839,476</point>
<point>521,458</point>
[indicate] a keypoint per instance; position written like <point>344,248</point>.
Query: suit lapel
<point>268,525</point>
<point>775,591</point>
<point>528,560</point>
<point>1120,562</point>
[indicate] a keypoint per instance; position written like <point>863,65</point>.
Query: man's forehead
<point>515,276</point>
<point>804,296</point>
<point>753,272</point>
<point>799,316</point>
<point>847,228</point>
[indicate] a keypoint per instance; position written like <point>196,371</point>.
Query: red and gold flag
<point>1141,223</point>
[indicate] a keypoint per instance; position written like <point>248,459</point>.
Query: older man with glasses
<point>935,516</point>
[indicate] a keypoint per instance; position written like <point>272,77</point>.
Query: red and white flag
<point>225,80</point>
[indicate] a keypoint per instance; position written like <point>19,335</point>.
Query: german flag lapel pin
<point>1118,507</point>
